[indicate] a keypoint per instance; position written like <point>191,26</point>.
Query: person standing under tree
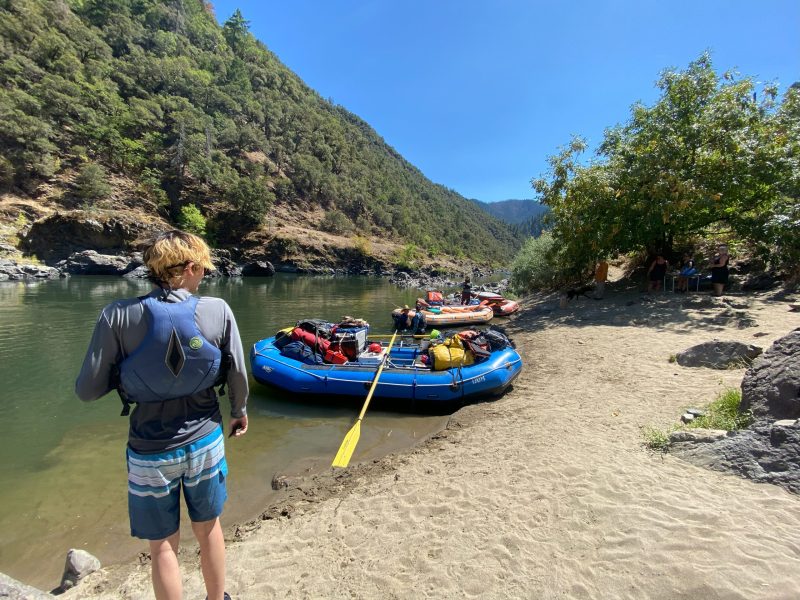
<point>719,269</point>
<point>600,276</point>
<point>164,353</point>
<point>656,273</point>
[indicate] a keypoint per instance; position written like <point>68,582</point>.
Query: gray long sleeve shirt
<point>159,426</point>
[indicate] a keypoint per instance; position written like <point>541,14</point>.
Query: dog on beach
<point>579,291</point>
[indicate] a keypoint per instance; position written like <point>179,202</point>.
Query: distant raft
<point>444,316</point>
<point>501,306</point>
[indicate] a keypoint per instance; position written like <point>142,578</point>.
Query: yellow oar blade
<point>349,443</point>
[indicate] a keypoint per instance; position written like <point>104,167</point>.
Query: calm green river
<point>63,477</point>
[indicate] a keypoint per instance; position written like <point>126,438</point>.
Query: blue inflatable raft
<point>403,377</point>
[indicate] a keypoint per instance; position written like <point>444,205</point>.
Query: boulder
<point>11,589</point>
<point>225,264</point>
<point>767,452</point>
<point>90,262</point>
<point>697,435</point>
<point>140,272</point>
<point>12,270</point>
<point>79,564</point>
<point>258,268</point>
<point>718,355</point>
<point>771,386</point>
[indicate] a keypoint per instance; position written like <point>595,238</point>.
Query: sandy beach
<point>544,493</point>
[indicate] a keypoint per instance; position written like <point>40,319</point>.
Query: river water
<point>62,477</point>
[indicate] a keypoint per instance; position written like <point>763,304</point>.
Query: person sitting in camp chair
<point>406,322</point>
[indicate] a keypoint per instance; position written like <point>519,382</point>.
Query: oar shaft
<point>348,446</point>
<point>377,376</point>
<point>378,336</point>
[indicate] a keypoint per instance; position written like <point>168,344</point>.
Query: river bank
<point>547,492</point>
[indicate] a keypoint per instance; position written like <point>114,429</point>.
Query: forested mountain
<point>514,211</point>
<point>201,117</point>
<point>525,216</point>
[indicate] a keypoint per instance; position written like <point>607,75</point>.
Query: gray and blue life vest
<point>174,359</point>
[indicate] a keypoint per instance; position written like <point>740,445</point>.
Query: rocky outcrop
<point>769,450</point>
<point>771,386</point>
<point>226,263</point>
<point>106,243</point>
<point>59,235</point>
<point>11,589</point>
<point>718,355</point>
<point>261,268</point>
<point>90,262</point>
<point>12,270</point>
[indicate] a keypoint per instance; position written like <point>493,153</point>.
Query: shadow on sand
<point>625,306</point>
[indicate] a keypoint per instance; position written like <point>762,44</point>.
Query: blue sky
<point>477,94</point>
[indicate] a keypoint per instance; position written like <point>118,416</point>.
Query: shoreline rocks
<point>78,565</point>
<point>129,265</point>
<point>11,589</point>
<point>12,270</point>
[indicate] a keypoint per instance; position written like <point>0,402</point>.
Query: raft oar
<point>378,336</point>
<point>342,458</point>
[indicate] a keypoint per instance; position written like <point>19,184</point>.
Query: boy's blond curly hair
<point>171,251</point>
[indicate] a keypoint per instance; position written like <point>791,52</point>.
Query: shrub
<point>192,220</point>
<point>335,221</point>
<point>655,439</point>
<point>92,182</point>
<point>251,201</point>
<point>536,266</point>
<point>363,245</point>
<point>408,256</point>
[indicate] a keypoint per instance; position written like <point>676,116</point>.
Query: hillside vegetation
<point>204,126</point>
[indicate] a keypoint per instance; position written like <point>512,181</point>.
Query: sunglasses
<point>185,264</point>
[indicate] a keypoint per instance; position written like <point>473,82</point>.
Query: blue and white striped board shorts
<point>155,481</point>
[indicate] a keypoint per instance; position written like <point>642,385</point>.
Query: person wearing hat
<point>405,321</point>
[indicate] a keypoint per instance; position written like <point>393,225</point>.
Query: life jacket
<point>434,298</point>
<point>174,359</point>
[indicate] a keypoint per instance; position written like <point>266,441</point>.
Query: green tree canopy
<point>713,154</point>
